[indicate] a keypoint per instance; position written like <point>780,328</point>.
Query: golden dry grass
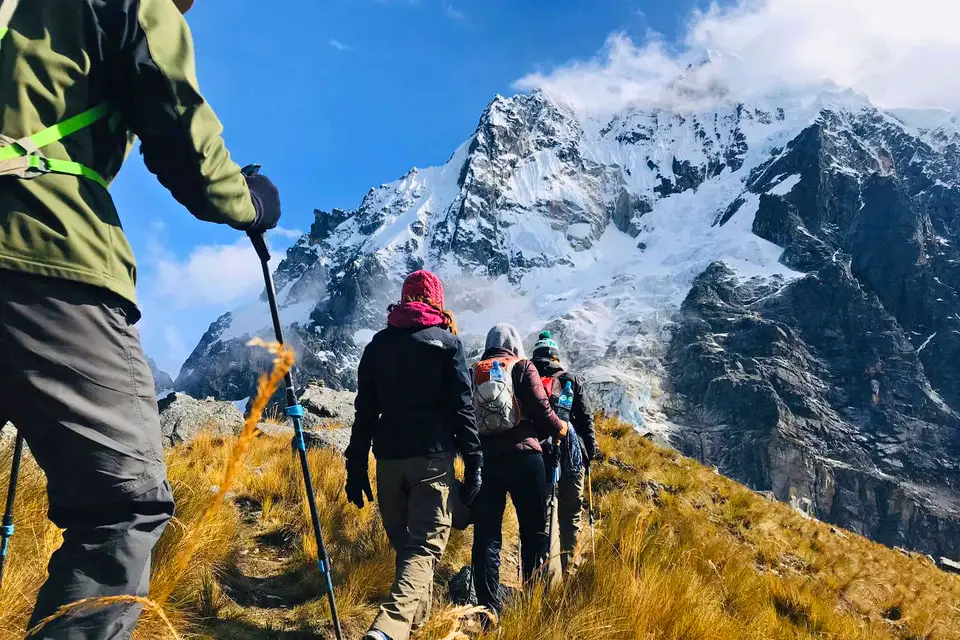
<point>682,553</point>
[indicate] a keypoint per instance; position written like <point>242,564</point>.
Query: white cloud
<point>177,350</point>
<point>339,46</point>
<point>214,275</point>
<point>220,275</point>
<point>900,54</point>
<point>453,13</point>
<point>289,234</point>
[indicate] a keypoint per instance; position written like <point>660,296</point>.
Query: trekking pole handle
<point>258,239</point>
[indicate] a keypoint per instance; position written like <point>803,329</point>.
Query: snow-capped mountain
<point>721,277</point>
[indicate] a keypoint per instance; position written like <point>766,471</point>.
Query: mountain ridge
<point>631,236</point>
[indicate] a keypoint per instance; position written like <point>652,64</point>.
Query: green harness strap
<point>54,134</point>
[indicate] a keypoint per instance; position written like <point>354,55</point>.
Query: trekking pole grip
<point>258,239</point>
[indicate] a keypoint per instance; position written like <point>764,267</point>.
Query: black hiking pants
<point>75,382</point>
<point>522,475</point>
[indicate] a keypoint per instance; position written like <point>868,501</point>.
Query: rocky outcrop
<point>810,390</point>
<point>830,388</point>
<point>183,417</point>
<point>336,439</point>
<point>328,407</point>
<point>161,379</point>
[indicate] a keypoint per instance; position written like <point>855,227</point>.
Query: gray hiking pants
<point>76,384</point>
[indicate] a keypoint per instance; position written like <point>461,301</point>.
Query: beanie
<point>546,347</point>
<point>423,284</point>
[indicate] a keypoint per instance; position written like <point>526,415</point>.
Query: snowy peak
<point>652,196</point>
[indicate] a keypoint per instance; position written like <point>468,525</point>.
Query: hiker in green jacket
<point>78,80</point>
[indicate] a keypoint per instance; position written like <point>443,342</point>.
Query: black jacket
<point>582,413</point>
<point>414,397</point>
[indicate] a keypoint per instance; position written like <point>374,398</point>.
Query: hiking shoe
<point>373,634</point>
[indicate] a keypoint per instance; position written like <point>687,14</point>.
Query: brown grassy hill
<point>681,553</point>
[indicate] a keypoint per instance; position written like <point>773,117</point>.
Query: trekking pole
<point>593,534</point>
<point>553,500</point>
<point>6,530</point>
<point>519,560</point>
<point>295,412</point>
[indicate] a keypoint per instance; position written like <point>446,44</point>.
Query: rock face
<point>773,287</point>
<point>183,417</point>
<point>833,388</point>
<point>328,407</point>
<point>161,379</point>
<point>336,439</point>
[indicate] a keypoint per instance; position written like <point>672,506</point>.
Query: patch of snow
<point>926,342</point>
<point>785,186</point>
<point>580,230</point>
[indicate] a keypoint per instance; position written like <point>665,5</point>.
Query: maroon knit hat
<point>423,283</point>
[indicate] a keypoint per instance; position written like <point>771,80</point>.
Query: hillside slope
<point>681,552</point>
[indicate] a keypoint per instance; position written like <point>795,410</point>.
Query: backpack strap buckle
<point>15,158</point>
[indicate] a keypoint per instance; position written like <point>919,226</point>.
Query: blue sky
<point>333,97</point>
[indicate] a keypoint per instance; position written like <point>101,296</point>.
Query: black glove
<point>358,484</point>
<point>471,484</point>
<point>266,201</point>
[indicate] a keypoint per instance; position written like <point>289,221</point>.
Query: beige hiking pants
<point>414,499</point>
<point>570,516</point>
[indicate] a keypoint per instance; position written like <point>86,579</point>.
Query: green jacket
<point>63,57</point>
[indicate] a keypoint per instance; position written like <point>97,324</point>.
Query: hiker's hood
<point>506,336</point>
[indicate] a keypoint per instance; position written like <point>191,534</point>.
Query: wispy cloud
<point>453,13</point>
<point>891,51</point>
<point>212,275</point>
<point>181,294</point>
<point>339,46</point>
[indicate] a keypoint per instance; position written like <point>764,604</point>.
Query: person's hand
<point>563,430</point>
<point>472,481</point>
<point>358,484</point>
<point>266,201</point>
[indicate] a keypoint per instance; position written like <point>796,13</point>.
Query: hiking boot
<point>373,634</point>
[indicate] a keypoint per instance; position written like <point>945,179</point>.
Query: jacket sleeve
<point>534,403</point>
<point>582,418</point>
<point>458,404</point>
<point>367,411</point>
<point>158,95</point>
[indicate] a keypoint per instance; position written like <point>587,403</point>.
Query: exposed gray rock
<point>777,383</point>
<point>161,379</point>
<point>336,439</point>
<point>329,406</point>
<point>183,417</point>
